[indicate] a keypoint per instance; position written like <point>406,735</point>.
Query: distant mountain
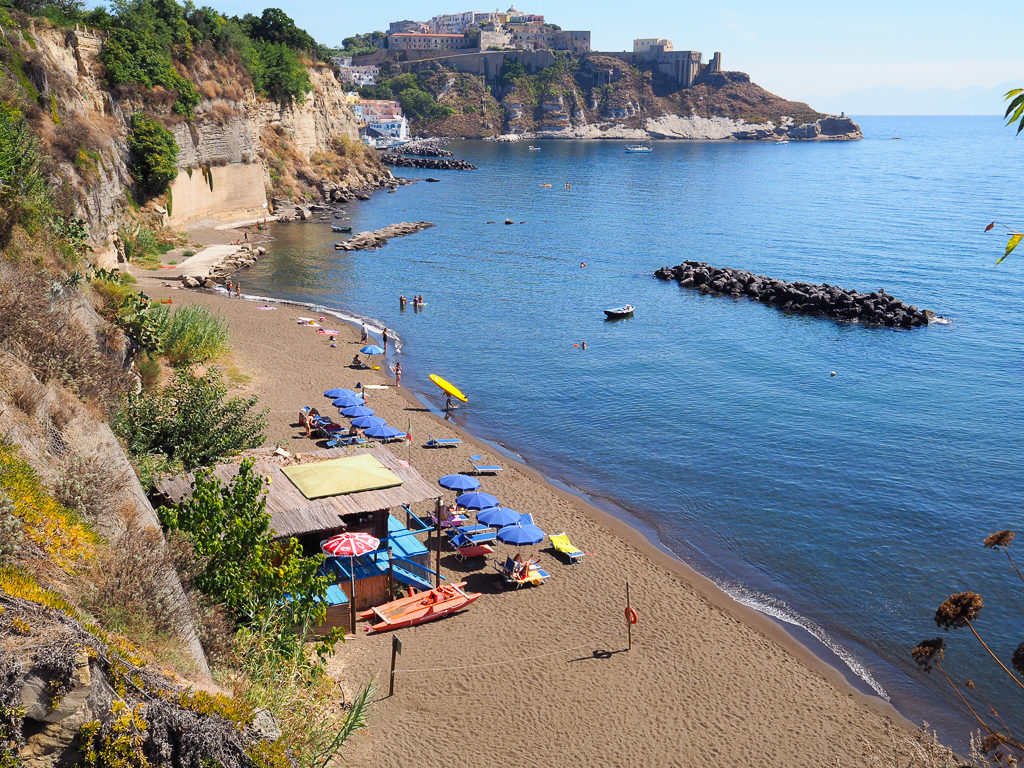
<point>894,100</point>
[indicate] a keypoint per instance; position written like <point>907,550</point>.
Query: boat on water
<point>619,312</point>
<point>639,148</point>
<point>533,148</point>
<point>419,607</point>
<point>338,228</point>
<point>782,141</point>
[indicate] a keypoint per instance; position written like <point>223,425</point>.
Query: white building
<point>646,44</point>
<point>359,76</point>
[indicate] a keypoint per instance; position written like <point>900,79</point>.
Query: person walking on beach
<point>385,337</point>
<point>229,288</point>
<point>238,288</point>
<point>398,374</point>
<point>448,405</point>
<point>362,335</point>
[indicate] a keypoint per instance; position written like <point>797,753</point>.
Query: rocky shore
<point>397,160</point>
<point>363,241</point>
<point>875,308</point>
<point>430,147</point>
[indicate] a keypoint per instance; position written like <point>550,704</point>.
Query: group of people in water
<point>417,301</point>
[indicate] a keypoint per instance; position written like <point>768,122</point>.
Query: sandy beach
<point>540,675</point>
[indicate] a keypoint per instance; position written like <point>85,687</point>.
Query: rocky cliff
<point>597,96</point>
<point>238,147</point>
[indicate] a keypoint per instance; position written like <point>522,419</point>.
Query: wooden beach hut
<point>330,491</point>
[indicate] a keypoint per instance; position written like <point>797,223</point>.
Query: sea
<point>846,506</point>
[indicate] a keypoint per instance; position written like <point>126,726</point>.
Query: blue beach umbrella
<point>476,500</point>
<point>372,349</point>
<point>459,483</point>
<point>498,517</point>
<point>521,533</point>
<point>383,432</point>
<point>364,422</point>
<point>347,401</point>
<point>338,392</point>
<point>354,411</point>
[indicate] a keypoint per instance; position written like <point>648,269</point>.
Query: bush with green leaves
<point>276,71</point>
<point>25,197</point>
<point>189,334</point>
<point>244,567</point>
<point>191,420</point>
<point>154,154</point>
<point>134,319</point>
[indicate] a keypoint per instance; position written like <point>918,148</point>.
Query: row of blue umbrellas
<point>514,528</point>
<point>354,407</point>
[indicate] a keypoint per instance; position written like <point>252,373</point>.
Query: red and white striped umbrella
<point>350,544</point>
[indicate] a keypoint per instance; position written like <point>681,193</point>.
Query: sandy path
<point>514,678</point>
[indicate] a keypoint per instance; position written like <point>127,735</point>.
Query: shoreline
<point>356,655</point>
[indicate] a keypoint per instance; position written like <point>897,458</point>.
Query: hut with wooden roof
<point>323,493</point>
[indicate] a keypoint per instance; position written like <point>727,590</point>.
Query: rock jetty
<point>396,160</point>
<point>362,241</point>
<point>875,308</point>
<point>431,147</point>
<point>222,269</point>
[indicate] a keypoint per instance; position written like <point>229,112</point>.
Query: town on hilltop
<point>475,42</point>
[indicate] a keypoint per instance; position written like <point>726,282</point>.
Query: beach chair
<point>346,440</point>
<point>451,522</point>
<point>465,548</point>
<point>477,534</point>
<point>513,573</point>
<point>447,442</point>
<point>479,468</point>
<point>561,543</point>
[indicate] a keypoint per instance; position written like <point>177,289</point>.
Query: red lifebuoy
<point>631,615</point>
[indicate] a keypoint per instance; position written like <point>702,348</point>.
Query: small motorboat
<point>339,228</point>
<point>619,312</point>
<point>533,148</point>
<point>639,148</point>
<point>419,607</point>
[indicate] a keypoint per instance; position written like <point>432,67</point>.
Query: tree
<point>154,154</point>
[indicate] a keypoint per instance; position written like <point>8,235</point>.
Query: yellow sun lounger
<point>560,541</point>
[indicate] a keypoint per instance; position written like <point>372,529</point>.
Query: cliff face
<point>599,96</point>
<point>238,146</point>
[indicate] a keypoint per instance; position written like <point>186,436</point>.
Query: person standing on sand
<point>238,288</point>
<point>384,336</point>
<point>362,335</point>
<point>398,374</point>
<point>229,288</point>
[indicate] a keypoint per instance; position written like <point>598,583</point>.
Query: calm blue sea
<point>850,506</point>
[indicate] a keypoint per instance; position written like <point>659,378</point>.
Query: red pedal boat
<point>419,607</point>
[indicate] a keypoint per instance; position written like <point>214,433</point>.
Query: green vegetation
<point>154,154</point>
<point>191,420</point>
<point>25,197</point>
<point>189,334</point>
<point>362,45</point>
<point>417,102</point>
<point>1015,112</point>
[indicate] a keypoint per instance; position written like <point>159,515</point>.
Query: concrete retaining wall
<point>237,190</point>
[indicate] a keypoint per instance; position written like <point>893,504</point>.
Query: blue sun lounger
<point>448,442</point>
<point>481,537</point>
<point>479,468</point>
<point>346,440</point>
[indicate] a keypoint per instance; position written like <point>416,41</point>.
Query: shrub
<point>154,154</point>
<point>191,420</point>
<point>25,197</point>
<point>84,484</point>
<point>12,536</point>
<point>149,370</point>
<point>189,334</point>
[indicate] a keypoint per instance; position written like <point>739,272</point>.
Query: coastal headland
<point>542,671</point>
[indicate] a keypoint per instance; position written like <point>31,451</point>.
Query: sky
<point>868,57</point>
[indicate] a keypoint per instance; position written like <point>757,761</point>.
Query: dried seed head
<point>958,610</point>
<point>970,684</point>
<point>928,651</point>
<point>999,539</point>
<point>1018,659</point>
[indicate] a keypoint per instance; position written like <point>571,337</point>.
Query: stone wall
<point>236,190</point>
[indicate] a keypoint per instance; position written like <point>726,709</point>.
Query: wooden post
<point>437,560</point>
<point>352,591</point>
<point>391,576</point>
<point>629,624</point>
<point>396,648</point>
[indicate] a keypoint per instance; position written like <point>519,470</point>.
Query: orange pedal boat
<point>419,607</point>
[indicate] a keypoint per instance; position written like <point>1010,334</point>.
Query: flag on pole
<point>1013,243</point>
<point>408,431</point>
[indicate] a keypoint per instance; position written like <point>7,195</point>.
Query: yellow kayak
<point>451,389</point>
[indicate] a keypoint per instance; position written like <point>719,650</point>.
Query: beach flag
<point>408,431</point>
<point>1013,243</point>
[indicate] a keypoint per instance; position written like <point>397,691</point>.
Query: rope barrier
<point>493,663</point>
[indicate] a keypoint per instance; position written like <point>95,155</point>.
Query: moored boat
<point>639,148</point>
<point>619,312</point>
<point>419,607</point>
<point>337,228</point>
<point>533,148</point>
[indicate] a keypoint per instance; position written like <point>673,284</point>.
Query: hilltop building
<point>682,67</point>
<point>358,76</point>
<point>427,41</point>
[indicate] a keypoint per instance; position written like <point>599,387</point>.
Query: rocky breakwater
<point>875,308</point>
<point>429,147</point>
<point>215,265</point>
<point>363,241</point>
<point>397,160</point>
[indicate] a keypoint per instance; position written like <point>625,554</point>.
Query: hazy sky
<point>805,51</point>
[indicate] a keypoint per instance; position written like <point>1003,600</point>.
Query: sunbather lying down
<point>521,569</point>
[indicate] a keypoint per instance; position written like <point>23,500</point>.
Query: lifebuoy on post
<point>631,615</point>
